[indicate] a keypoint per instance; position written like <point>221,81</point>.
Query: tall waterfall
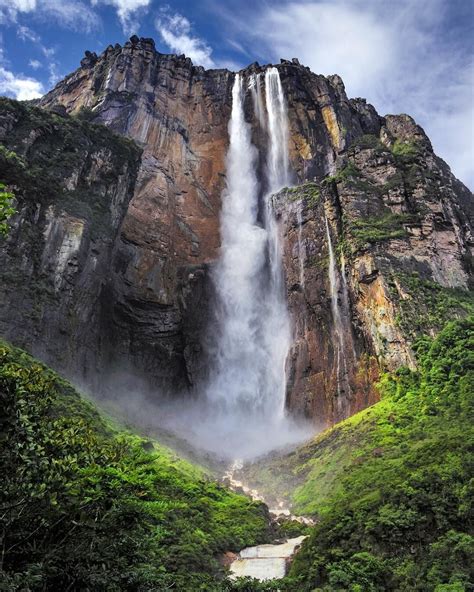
<point>249,373</point>
<point>247,384</point>
<point>240,380</point>
<point>241,412</point>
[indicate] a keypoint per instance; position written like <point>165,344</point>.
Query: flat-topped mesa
<point>391,206</point>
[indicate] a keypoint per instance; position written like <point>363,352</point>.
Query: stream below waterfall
<point>269,561</point>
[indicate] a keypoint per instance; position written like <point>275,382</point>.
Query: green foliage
<point>6,209</point>
<point>397,515</point>
<point>310,192</point>
<point>378,229</point>
<point>347,172</point>
<point>405,149</point>
<point>368,141</point>
<point>427,306</point>
<point>60,149</point>
<point>85,114</point>
<point>10,156</point>
<point>85,506</point>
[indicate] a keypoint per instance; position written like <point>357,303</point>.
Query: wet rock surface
<point>72,183</point>
<point>146,298</point>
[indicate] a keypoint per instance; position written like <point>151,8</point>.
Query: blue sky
<point>412,56</point>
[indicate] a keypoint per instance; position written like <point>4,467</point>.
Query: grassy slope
<point>87,506</point>
<point>391,486</point>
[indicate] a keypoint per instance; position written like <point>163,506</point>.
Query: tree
<point>6,209</point>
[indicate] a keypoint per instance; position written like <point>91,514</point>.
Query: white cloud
<point>175,31</point>
<point>9,9</point>
<point>73,14</point>
<point>18,86</point>
<point>127,11</point>
<point>27,34</point>
<point>391,53</point>
<point>35,64</point>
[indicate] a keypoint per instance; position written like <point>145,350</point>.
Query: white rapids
<point>265,562</point>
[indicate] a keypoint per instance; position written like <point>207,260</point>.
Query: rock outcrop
<point>393,211</point>
<point>73,182</point>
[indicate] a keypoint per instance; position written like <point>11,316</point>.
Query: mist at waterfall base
<point>240,411</point>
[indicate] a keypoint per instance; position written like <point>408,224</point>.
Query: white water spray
<point>255,86</point>
<point>249,374</point>
<point>239,377</point>
<point>278,161</point>
<point>243,414</point>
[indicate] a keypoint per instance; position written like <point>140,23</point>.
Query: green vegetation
<point>310,192</point>
<point>87,506</point>
<point>349,171</point>
<point>351,176</point>
<point>405,149</point>
<point>6,209</point>
<point>44,150</point>
<point>392,486</point>
<point>377,229</point>
<point>368,141</point>
<point>427,306</point>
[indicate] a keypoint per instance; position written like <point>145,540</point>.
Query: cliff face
<point>72,182</point>
<point>178,114</point>
<point>401,230</point>
<point>392,209</point>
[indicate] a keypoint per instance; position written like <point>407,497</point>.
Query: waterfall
<point>239,377</point>
<point>247,386</point>
<point>249,375</point>
<point>339,325</point>
<point>255,86</point>
<point>278,161</point>
<point>240,412</point>
<point>277,334</point>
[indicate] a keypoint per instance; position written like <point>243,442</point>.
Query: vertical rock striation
<point>72,182</point>
<point>399,222</point>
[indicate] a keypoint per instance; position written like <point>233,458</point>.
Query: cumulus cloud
<point>176,33</point>
<point>127,11</point>
<point>35,64</point>
<point>73,14</point>
<point>392,53</point>
<point>18,86</point>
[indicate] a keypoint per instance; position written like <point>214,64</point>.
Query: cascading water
<point>243,413</point>
<point>240,411</point>
<point>255,86</point>
<point>237,275</point>
<point>249,374</point>
<point>343,387</point>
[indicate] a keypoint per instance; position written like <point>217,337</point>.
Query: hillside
<point>391,487</point>
<point>89,506</point>
<point>86,505</point>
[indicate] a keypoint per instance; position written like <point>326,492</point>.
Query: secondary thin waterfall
<point>339,329</point>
